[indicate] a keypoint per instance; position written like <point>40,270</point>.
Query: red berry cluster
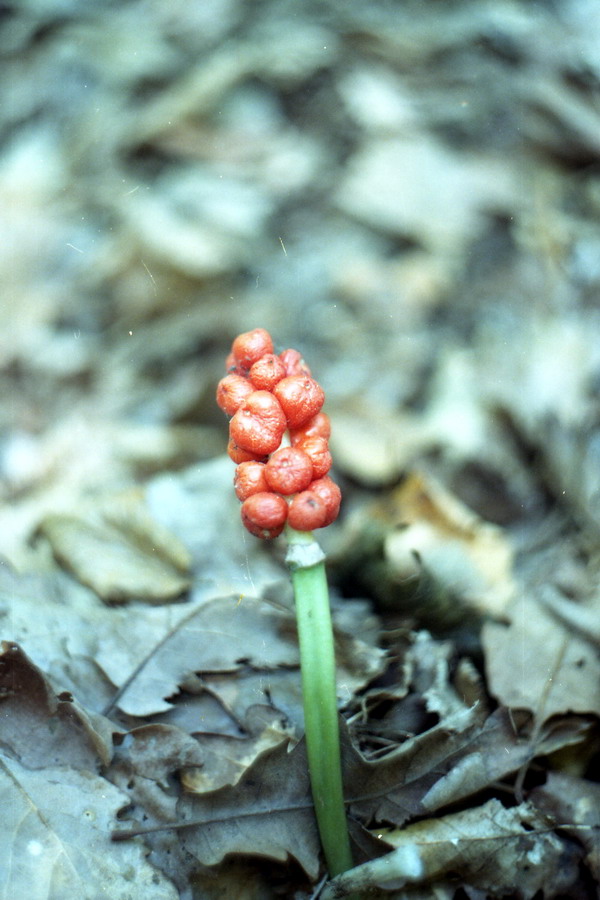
<point>266,396</point>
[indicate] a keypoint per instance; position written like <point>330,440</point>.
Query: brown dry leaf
<point>420,552</point>
<point>391,789</point>
<point>373,445</point>
<point>111,561</point>
<point>496,751</point>
<point>493,849</point>
<point>470,557</point>
<point>145,759</point>
<point>445,764</point>
<point>129,514</point>
<point>536,663</point>
<point>225,635</point>
<point>227,758</point>
<point>582,618</point>
<point>156,751</point>
<point>63,627</point>
<point>40,729</point>
<point>222,635</point>
<point>574,803</point>
<point>145,768</point>
<point>268,812</point>
<point>55,839</point>
<point>235,880</point>
<point>219,704</point>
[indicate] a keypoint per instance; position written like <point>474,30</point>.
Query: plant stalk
<point>317,662</point>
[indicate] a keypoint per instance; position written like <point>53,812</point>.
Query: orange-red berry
<point>294,363</point>
<point>249,479</point>
<point>288,471</point>
<point>266,394</point>
<point>317,450</point>
<point>250,346</point>
<point>318,426</point>
<point>301,398</point>
<point>266,372</point>
<point>306,511</point>
<point>259,424</point>
<point>232,391</point>
<point>264,514</point>
<point>327,491</point>
<point>239,456</point>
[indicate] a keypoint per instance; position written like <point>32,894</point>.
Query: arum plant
<point>279,440</point>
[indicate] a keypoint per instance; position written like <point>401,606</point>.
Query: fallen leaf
<point>105,560</point>
<point>40,729</point>
<point>268,812</point>
<point>226,635</point>
<point>422,553</point>
<point>445,764</point>
<point>227,758</point>
<point>471,558</point>
<point>499,851</point>
<point>55,839</point>
<point>222,635</point>
<point>391,789</point>
<point>497,750</point>
<point>63,626</point>
<point>536,663</point>
<point>574,803</point>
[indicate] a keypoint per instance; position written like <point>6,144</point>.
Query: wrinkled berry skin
<point>259,424</point>
<point>307,511</point>
<point>293,363</point>
<point>288,471</point>
<point>301,398</point>
<point>266,372</point>
<point>249,347</point>
<point>264,515</point>
<point>318,426</point>
<point>239,456</point>
<point>330,494</point>
<point>249,479</point>
<point>231,393</point>
<point>317,450</point>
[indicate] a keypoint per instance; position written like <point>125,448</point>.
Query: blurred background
<point>409,193</point>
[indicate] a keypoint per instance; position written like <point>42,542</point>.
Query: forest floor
<point>410,195</point>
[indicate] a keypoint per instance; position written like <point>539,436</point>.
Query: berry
<point>250,346</point>
<point>249,479</point>
<point>264,514</point>
<point>307,511</point>
<point>317,449</point>
<point>288,471</point>
<point>266,372</point>
<point>318,426</point>
<point>259,424</point>
<point>239,456</point>
<point>232,391</point>
<point>293,363</point>
<point>301,398</point>
<point>327,491</point>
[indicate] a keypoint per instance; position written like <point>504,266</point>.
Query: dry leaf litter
<point>410,193</point>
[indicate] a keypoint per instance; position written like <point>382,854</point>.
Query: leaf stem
<point>317,661</point>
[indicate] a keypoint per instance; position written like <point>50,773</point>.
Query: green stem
<point>317,661</point>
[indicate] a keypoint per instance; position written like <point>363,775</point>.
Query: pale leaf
<point>490,848</point>
<point>55,840</point>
